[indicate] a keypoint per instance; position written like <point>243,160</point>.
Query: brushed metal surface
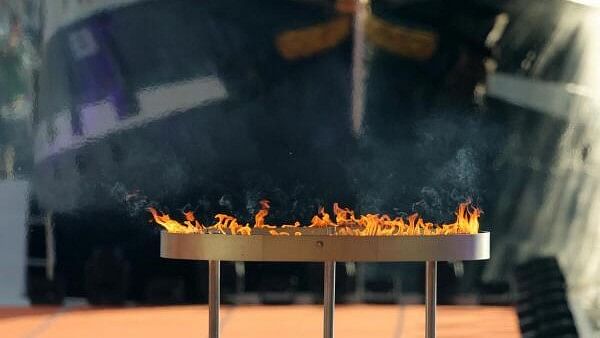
<point>430,298</point>
<point>214,299</point>
<point>322,248</point>
<point>328,299</point>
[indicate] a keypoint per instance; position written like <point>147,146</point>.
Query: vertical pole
<point>50,246</point>
<point>328,298</point>
<point>430,297</point>
<point>359,70</point>
<point>214,298</point>
<point>360,282</point>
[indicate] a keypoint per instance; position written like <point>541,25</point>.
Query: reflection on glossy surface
<point>213,106</point>
<point>208,106</point>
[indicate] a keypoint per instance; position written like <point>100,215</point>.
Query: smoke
<point>456,150</point>
<point>133,201</point>
<point>436,163</point>
<point>226,202</point>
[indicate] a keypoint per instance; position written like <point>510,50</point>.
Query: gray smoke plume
<point>445,161</point>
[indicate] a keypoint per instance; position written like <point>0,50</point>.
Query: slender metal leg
<point>360,282</point>
<point>328,299</point>
<point>430,297</point>
<point>214,298</point>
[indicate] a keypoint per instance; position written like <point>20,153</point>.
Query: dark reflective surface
<point>214,105</point>
<point>198,108</point>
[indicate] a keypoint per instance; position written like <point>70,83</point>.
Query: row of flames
<point>345,222</point>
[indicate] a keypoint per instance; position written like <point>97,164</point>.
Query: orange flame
<point>174,226</point>
<point>346,223</point>
<point>323,221</point>
<point>259,218</point>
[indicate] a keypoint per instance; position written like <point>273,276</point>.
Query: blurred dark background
<point>395,106</point>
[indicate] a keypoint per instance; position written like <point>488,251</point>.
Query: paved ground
<point>254,321</point>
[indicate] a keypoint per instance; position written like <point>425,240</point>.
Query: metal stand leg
<point>430,297</point>
<point>328,299</point>
<point>214,298</point>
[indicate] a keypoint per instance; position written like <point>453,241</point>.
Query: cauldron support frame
<point>327,249</point>
<point>430,298</point>
<point>214,298</point>
<point>328,298</point>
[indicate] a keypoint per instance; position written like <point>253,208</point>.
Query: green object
<point>12,82</point>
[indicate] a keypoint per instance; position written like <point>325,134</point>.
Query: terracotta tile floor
<point>254,321</point>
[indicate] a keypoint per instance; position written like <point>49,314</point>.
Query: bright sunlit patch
<point>593,3</point>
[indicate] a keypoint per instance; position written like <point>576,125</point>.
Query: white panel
<point>164,99</point>
<point>98,119</point>
<point>13,208</point>
<point>561,100</point>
